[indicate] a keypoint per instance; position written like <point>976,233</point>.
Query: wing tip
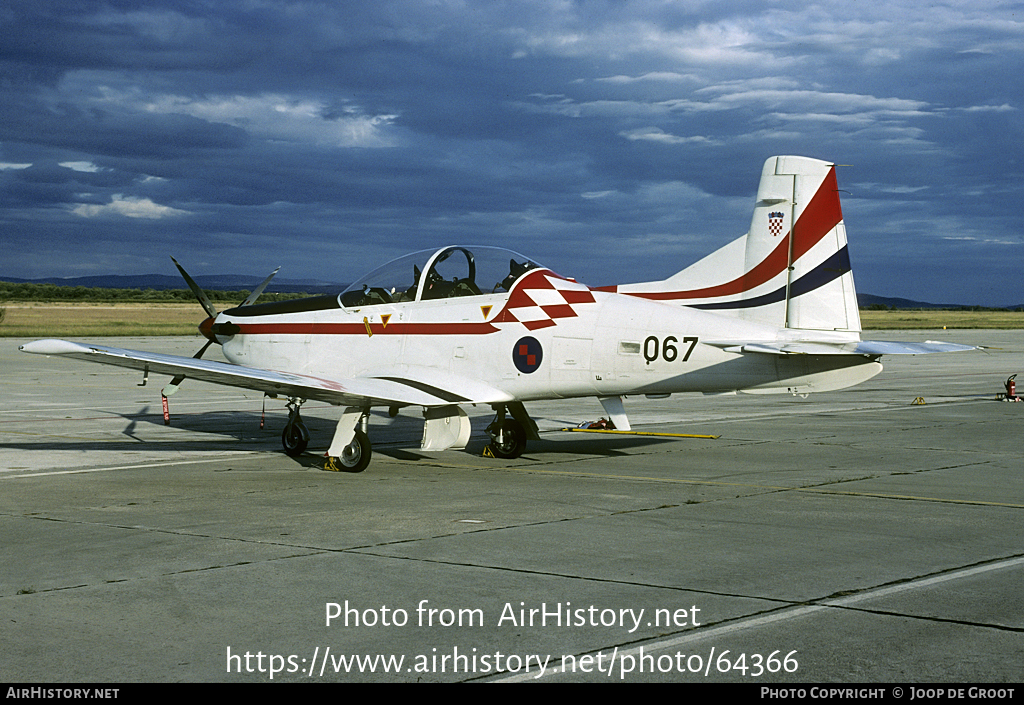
<point>52,346</point>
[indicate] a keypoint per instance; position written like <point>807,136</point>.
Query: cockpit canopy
<point>439,274</point>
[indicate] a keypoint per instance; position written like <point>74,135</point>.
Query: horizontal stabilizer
<point>885,347</point>
<point>871,348</point>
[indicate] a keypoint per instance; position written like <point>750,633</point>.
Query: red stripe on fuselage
<point>818,219</point>
<point>360,329</point>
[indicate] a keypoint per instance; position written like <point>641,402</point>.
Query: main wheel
<point>507,440</point>
<point>295,438</point>
<point>354,457</point>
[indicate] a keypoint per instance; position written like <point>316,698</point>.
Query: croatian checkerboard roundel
<point>527,355</point>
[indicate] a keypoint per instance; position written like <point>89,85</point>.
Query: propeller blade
<point>172,386</point>
<point>259,290</point>
<point>204,300</point>
<point>202,350</point>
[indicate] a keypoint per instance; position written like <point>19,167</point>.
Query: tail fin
<point>781,274</point>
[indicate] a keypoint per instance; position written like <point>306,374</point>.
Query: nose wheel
<point>295,436</point>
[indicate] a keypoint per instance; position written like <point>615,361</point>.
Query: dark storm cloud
<point>613,140</point>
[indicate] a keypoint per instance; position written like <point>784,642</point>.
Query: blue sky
<point>613,141</point>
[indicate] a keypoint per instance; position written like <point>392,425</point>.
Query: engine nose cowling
<point>206,328</point>
<point>217,332</point>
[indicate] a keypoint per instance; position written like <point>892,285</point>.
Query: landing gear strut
<point>508,438</point>
<point>295,436</point>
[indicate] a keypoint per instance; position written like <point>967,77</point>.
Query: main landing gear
<point>354,457</point>
<point>508,437</point>
<point>350,451</point>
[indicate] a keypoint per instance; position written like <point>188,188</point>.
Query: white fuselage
<point>580,343</point>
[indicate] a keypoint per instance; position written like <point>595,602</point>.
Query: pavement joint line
<point>790,610</point>
<point>162,464</point>
<point>820,489</point>
<point>787,613</point>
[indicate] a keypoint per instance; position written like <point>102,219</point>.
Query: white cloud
<point>663,76</point>
<point>808,101</point>
<point>129,207</point>
<point>656,134</point>
<point>86,167</point>
<point>733,42</point>
<point>284,118</point>
<point>4,166</point>
<point>981,240</point>
<point>1004,108</point>
<point>888,188</point>
<point>598,108</point>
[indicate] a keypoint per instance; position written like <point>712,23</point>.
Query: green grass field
<point>932,319</point>
<point>81,320</point>
<point>67,320</point>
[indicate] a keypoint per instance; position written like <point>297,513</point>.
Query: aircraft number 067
<point>668,351</point>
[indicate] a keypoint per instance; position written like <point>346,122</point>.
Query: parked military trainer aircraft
<point>772,312</point>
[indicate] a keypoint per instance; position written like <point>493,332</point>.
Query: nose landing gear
<point>295,436</point>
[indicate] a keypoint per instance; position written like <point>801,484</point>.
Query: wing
<point>870,348</point>
<point>405,385</point>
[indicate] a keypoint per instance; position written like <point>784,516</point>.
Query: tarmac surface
<point>846,537</point>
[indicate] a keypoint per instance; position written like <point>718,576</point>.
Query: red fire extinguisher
<point>1011,388</point>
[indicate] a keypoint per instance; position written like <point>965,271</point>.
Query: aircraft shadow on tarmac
<point>240,430</point>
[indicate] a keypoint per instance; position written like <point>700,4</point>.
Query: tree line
<point>25,291</point>
<point>884,307</point>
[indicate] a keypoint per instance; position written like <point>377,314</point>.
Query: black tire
<point>295,438</point>
<point>513,440</point>
<point>355,456</point>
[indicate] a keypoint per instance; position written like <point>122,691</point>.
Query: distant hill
<point>163,282</point>
<point>866,300</point>
<point>236,282</point>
